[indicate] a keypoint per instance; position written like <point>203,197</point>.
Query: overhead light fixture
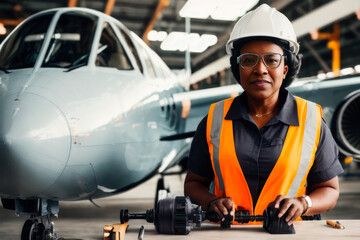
<point>321,76</point>
<point>197,9</point>
<point>357,68</point>
<point>174,41</point>
<point>347,71</point>
<point>157,35</point>
<point>330,75</point>
<point>228,10</point>
<point>201,43</point>
<point>180,41</point>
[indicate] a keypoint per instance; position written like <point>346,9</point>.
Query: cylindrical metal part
<point>137,216</point>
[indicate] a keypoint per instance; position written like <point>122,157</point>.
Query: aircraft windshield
<point>22,48</point>
<point>71,42</point>
<point>69,47</point>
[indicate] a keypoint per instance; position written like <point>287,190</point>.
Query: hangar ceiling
<point>137,15</point>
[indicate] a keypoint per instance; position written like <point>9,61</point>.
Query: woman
<point>265,146</point>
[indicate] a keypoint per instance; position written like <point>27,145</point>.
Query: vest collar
<point>288,113</point>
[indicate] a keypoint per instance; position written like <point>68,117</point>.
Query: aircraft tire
<point>30,230</point>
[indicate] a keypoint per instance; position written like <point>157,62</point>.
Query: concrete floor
<point>83,220</point>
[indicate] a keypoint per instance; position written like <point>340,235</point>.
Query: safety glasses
<point>250,60</point>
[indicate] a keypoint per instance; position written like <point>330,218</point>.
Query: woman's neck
<point>263,106</point>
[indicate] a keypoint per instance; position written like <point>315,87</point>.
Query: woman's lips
<point>260,83</point>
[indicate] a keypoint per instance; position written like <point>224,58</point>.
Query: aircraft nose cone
<point>34,145</point>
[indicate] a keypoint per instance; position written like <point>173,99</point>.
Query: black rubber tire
<point>160,186</point>
<point>30,230</point>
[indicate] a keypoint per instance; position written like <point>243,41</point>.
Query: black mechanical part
<point>172,216</point>
<point>242,216</point>
<point>125,216</point>
<point>159,186</point>
<point>30,230</point>
<point>275,225</point>
<point>345,126</point>
<point>141,233</point>
<point>176,215</point>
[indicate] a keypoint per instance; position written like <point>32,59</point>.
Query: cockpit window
<point>110,52</point>
<point>71,42</point>
<point>22,48</point>
<point>133,49</point>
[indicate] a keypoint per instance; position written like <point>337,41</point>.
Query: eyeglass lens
<point>250,60</point>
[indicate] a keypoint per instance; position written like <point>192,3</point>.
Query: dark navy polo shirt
<point>259,149</point>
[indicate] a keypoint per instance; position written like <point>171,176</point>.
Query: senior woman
<point>266,146</point>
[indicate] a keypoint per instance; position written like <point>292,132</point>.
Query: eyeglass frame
<point>258,57</point>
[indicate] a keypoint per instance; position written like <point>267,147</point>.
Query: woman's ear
<point>286,69</point>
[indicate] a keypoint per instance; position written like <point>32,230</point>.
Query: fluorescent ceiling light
<point>330,75</point>
<point>347,71</point>
<point>198,9</point>
<point>180,41</point>
<point>357,68</point>
<point>228,10</point>
<point>321,76</point>
<point>174,41</point>
<point>156,36</point>
<point>232,9</point>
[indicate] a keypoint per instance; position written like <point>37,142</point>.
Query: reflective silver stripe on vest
<point>307,147</point>
<point>215,139</point>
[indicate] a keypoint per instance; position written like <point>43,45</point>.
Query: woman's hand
<point>294,207</point>
<point>222,206</point>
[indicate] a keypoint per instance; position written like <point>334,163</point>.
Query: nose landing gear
<point>35,230</point>
<point>39,226</point>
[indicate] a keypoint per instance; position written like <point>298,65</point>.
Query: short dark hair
<point>291,59</point>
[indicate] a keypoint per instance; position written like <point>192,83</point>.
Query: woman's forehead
<point>261,47</point>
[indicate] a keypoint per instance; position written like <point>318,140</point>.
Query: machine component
<point>346,125</point>
<point>176,215</point>
<point>141,233</point>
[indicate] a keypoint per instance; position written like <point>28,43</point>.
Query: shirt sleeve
<point>199,158</point>
<point>326,164</point>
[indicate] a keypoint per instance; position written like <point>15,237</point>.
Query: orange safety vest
<point>289,174</point>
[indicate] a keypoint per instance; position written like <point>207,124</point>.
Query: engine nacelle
<point>346,126</point>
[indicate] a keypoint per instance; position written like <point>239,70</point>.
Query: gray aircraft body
<point>87,110</point>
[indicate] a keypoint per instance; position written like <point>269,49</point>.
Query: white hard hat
<point>264,21</point>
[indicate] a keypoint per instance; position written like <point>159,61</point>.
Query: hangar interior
<point>162,17</point>
<point>154,21</point>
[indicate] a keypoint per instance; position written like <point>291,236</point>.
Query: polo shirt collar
<point>287,114</point>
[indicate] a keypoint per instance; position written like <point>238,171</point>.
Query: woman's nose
<point>260,67</point>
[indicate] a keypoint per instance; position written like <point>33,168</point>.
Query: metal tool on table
<point>336,224</point>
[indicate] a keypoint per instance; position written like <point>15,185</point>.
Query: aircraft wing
<point>195,105</point>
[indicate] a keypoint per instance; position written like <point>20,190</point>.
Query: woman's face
<point>261,82</point>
